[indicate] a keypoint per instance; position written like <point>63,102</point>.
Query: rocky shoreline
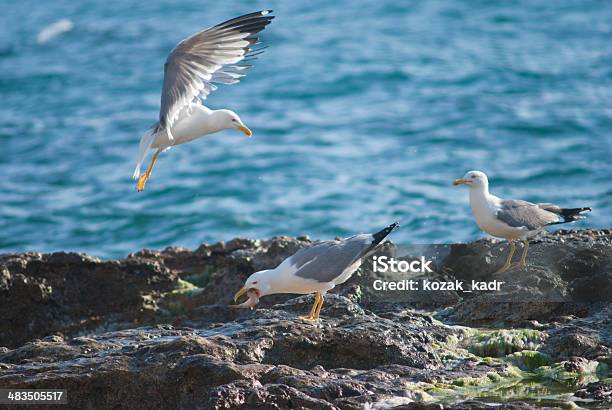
<point>153,330</point>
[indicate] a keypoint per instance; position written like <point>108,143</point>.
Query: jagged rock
<point>590,338</point>
<point>42,294</point>
<point>271,360</point>
<point>155,328</point>
<point>568,273</point>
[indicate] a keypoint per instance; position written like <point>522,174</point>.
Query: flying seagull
<point>316,269</point>
<point>512,219</point>
<point>213,55</point>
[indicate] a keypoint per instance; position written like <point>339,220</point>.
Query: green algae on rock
<point>529,360</point>
<point>500,343</point>
<point>576,371</point>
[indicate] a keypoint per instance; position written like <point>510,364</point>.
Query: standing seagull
<point>316,269</point>
<point>206,57</point>
<point>512,219</point>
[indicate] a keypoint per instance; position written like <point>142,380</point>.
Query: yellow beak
<point>246,130</point>
<point>459,181</point>
<point>240,293</point>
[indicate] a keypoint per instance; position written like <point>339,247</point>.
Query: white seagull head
<point>258,285</point>
<point>228,119</point>
<point>473,179</point>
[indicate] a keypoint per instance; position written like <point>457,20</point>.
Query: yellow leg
<point>523,261</point>
<point>314,306</point>
<point>311,315</point>
<point>321,300</point>
<point>509,259</point>
<point>143,178</point>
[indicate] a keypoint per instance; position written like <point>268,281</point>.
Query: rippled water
<point>363,113</point>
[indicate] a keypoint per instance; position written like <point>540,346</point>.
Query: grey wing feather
<point>327,260</point>
<point>555,209</point>
<point>204,58</point>
<point>517,213</point>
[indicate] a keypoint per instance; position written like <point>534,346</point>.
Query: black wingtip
<point>380,236</point>
<point>571,214</point>
<point>251,22</point>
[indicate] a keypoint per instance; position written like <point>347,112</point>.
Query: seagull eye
<point>255,283</point>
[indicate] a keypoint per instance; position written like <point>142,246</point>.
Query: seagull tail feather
<point>568,214</point>
<point>381,235</point>
<point>573,214</point>
<point>144,148</point>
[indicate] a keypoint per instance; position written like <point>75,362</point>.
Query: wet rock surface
<point>269,360</point>
<point>154,330</point>
<point>598,391</point>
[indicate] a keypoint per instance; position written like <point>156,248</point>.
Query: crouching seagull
<point>316,269</point>
<point>512,219</point>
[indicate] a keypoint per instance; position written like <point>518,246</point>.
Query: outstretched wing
<point>206,57</point>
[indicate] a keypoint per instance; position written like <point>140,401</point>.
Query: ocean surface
<point>363,113</point>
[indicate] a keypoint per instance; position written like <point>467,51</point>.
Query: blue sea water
<point>363,114</point>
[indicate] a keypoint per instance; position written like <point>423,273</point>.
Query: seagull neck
<point>217,120</point>
<point>480,193</point>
